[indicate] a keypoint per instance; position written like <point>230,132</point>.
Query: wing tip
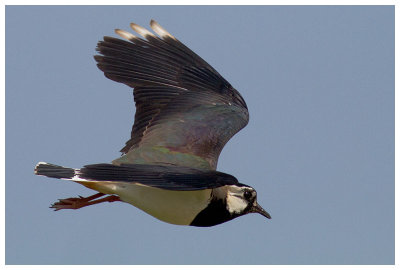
<point>141,30</point>
<point>157,28</point>
<point>160,30</point>
<point>125,34</point>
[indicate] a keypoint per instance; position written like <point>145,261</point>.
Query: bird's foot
<point>79,202</point>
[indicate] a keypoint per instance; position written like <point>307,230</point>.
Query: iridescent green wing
<point>185,110</point>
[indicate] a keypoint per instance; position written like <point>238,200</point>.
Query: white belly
<point>176,207</point>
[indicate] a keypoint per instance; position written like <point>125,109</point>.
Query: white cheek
<point>235,204</point>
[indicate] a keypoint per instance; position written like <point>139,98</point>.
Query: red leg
<point>79,202</point>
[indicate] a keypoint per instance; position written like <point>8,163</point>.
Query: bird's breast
<point>175,207</point>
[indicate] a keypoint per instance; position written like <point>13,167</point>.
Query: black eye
<point>247,194</point>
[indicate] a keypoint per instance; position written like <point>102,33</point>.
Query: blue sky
<point>319,148</point>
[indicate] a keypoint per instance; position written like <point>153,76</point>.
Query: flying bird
<point>185,113</point>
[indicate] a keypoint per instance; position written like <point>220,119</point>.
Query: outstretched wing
<point>185,110</point>
<point>165,177</point>
<point>160,176</point>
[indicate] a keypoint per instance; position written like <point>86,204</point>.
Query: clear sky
<point>319,148</point>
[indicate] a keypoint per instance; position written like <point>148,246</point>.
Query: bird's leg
<point>79,202</point>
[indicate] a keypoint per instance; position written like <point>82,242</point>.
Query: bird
<point>185,114</point>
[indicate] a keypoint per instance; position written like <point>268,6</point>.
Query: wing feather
<point>185,109</point>
<point>165,177</point>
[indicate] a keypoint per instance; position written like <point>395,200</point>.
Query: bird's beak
<point>258,209</point>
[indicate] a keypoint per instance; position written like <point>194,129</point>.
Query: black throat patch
<point>215,213</point>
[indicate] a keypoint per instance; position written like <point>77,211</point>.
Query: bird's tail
<point>54,171</point>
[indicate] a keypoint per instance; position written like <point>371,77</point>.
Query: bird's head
<point>242,199</point>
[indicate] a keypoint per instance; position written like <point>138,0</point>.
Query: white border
<point>196,2</point>
<point>165,2</point>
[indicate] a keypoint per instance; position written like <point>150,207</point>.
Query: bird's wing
<point>185,110</point>
<point>165,177</point>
